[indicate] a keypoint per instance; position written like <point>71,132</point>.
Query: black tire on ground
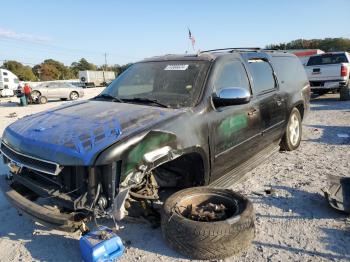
<point>42,99</point>
<point>73,95</point>
<point>345,92</point>
<point>292,137</point>
<point>208,240</point>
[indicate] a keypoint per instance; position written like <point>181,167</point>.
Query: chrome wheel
<point>294,130</point>
<point>74,96</point>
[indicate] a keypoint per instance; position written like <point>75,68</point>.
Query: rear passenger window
<point>290,72</point>
<point>232,74</point>
<point>262,73</point>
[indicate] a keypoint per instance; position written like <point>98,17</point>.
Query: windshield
<point>327,59</point>
<point>172,83</point>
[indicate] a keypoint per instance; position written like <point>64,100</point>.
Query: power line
<point>60,49</point>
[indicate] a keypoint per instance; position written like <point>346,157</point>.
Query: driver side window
<point>232,74</point>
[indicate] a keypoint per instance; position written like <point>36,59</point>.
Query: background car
<point>54,90</point>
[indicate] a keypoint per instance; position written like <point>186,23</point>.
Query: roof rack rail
<point>232,49</point>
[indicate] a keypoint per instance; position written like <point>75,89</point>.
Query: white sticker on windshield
<point>176,67</point>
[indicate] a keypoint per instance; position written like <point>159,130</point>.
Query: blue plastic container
<point>101,245</point>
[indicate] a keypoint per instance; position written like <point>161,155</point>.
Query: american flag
<point>191,37</point>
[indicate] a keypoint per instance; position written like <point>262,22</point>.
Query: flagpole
<point>188,42</point>
<point>188,45</point>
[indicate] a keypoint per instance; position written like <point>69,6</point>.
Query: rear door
<point>235,130</point>
<point>272,102</point>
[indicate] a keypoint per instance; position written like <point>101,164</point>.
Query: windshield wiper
<point>107,96</point>
<point>145,100</point>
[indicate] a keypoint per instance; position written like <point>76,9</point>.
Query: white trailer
<point>8,82</point>
<point>96,78</point>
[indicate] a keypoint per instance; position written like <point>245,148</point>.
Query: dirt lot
<point>293,224</point>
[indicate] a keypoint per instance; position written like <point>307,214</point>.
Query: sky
<point>128,31</point>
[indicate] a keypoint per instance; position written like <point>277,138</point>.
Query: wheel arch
<point>300,106</point>
<point>35,90</point>
<point>194,165</point>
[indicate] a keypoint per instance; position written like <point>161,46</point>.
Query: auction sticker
<point>176,67</point>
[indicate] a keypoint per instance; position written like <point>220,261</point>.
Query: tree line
<point>326,44</point>
<point>51,69</point>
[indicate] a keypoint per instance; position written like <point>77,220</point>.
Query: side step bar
<point>236,175</point>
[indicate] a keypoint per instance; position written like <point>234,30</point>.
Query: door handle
<point>253,112</point>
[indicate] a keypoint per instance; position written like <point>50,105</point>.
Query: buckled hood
<point>75,133</point>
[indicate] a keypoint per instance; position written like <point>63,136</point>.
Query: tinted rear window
<point>290,72</point>
<point>327,59</point>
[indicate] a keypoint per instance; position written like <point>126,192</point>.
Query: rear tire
<point>73,95</point>
<point>42,99</point>
<point>345,92</point>
<point>208,240</point>
<point>292,137</point>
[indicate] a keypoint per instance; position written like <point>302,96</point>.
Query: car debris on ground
<point>338,193</point>
<point>206,213</point>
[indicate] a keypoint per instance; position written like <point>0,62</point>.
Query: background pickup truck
<point>329,72</point>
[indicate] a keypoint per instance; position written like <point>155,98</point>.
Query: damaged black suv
<point>172,121</point>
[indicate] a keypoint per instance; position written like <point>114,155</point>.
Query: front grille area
<point>40,165</point>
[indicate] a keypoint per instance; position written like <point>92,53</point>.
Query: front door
<point>52,90</point>
<point>235,130</point>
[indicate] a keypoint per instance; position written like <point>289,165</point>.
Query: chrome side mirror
<point>231,96</point>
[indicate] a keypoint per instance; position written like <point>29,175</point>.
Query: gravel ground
<point>292,224</point>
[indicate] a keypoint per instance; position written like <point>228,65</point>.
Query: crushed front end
<point>60,196</point>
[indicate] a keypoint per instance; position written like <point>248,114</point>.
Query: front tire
<point>35,96</point>
<point>292,137</point>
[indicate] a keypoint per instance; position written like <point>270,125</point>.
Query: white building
<point>8,82</point>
